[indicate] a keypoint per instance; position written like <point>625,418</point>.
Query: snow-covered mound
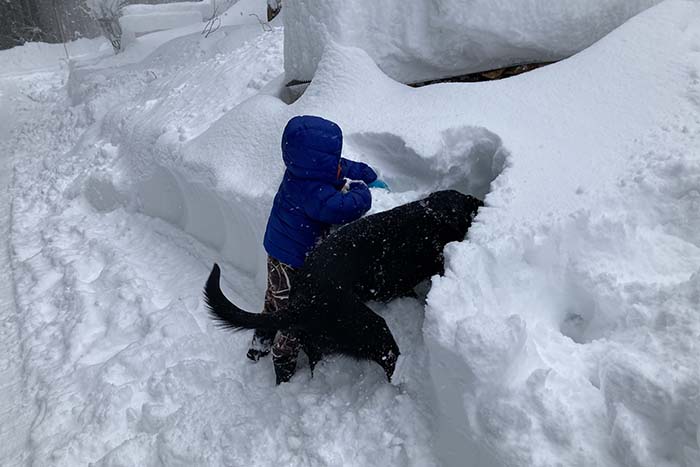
<point>564,331</point>
<point>40,56</point>
<point>137,24</point>
<point>137,20</point>
<point>205,8</point>
<point>418,40</point>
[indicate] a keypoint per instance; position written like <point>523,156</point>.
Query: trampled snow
<point>420,40</point>
<point>563,332</point>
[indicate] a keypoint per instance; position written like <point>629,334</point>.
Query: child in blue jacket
<point>313,196</point>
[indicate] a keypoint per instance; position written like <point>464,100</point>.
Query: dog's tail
<point>229,316</point>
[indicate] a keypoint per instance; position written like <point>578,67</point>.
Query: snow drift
<point>429,39</point>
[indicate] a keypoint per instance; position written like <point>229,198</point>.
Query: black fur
<point>378,257</point>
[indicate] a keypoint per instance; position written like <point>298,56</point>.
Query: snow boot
<point>285,350</point>
<point>276,296</point>
<point>260,346</point>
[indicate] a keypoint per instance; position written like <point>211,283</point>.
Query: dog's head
<point>454,211</point>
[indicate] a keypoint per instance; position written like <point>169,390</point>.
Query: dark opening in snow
<point>469,159</point>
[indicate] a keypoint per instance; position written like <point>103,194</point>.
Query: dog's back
<point>385,255</point>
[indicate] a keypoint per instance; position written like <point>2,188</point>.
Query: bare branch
<point>214,23</point>
<point>265,25</point>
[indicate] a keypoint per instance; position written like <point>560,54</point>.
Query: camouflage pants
<point>284,346</point>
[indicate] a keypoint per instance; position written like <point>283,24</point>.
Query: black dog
<point>378,257</point>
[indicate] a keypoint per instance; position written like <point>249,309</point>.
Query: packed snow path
<point>14,413</point>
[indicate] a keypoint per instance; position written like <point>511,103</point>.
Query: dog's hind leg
<point>312,352</point>
<point>362,333</point>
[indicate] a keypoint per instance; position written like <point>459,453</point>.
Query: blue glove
<point>352,185</point>
<point>378,183</point>
<point>356,185</point>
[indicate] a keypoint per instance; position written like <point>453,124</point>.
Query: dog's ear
<point>453,212</point>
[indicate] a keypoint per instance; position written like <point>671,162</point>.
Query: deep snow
<point>564,331</point>
<point>421,40</point>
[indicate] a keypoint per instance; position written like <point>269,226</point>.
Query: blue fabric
<point>356,171</point>
<point>379,184</point>
<point>309,198</point>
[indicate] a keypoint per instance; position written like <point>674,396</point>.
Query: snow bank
<point>175,108</point>
<point>40,56</point>
<point>135,25</point>
<point>205,8</point>
<point>138,20</point>
<point>429,39</point>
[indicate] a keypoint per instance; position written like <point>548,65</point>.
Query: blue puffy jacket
<point>309,198</point>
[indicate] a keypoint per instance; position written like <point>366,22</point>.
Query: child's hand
<point>378,183</point>
<point>352,185</point>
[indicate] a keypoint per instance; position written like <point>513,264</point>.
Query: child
<point>312,196</point>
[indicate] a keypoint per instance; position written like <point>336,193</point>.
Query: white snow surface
<point>205,8</point>
<point>137,24</point>
<point>137,20</point>
<point>34,57</point>
<point>564,331</point>
<point>419,40</point>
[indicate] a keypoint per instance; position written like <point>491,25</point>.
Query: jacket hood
<point>311,148</point>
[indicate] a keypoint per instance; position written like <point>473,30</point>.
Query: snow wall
<point>419,40</point>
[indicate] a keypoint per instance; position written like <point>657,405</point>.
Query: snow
<point>205,8</point>
<point>134,25</point>
<point>137,20</point>
<point>15,419</point>
<point>563,332</point>
<point>430,39</point>
<point>39,56</point>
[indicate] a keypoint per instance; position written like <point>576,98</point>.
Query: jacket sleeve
<point>356,171</point>
<point>332,206</point>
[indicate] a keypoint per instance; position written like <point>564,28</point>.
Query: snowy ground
<point>564,332</point>
<point>15,422</point>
